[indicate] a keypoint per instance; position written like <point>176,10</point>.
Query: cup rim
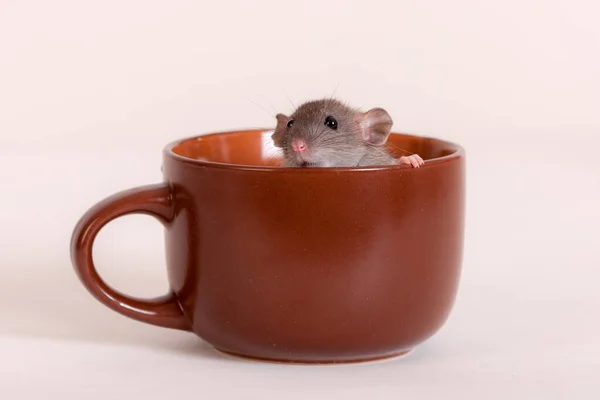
<point>169,153</point>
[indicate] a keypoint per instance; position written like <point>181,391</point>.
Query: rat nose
<point>298,145</point>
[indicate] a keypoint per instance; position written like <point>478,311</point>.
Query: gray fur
<point>344,147</point>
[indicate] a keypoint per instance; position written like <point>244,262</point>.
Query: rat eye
<point>331,122</point>
<point>290,123</point>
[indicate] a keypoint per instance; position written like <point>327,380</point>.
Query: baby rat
<point>328,133</point>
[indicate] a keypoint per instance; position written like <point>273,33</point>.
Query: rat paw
<point>415,160</point>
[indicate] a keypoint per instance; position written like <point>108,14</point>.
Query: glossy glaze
<point>298,265</point>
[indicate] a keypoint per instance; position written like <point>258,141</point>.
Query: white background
<point>90,93</point>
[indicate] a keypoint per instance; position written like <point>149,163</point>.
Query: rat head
<point>327,133</point>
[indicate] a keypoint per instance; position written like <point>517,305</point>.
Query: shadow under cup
<point>295,264</point>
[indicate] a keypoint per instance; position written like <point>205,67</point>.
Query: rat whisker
<point>335,90</point>
<point>267,101</point>
<point>275,152</point>
<point>377,148</point>
<point>273,160</point>
<point>330,139</point>
<point>263,108</point>
<point>323,131</point>
<point>357,131</point>
<point>288,97</point>
<point>398,148</point>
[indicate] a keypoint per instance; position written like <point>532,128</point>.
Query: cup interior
<point>255,148</point>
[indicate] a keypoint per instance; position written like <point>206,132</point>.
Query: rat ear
<point>375,125</point>
<point>277,136</point>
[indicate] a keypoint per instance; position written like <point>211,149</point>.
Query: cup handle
<point>154,200</point>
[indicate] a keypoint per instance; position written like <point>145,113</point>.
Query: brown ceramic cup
<point>291,264</point>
